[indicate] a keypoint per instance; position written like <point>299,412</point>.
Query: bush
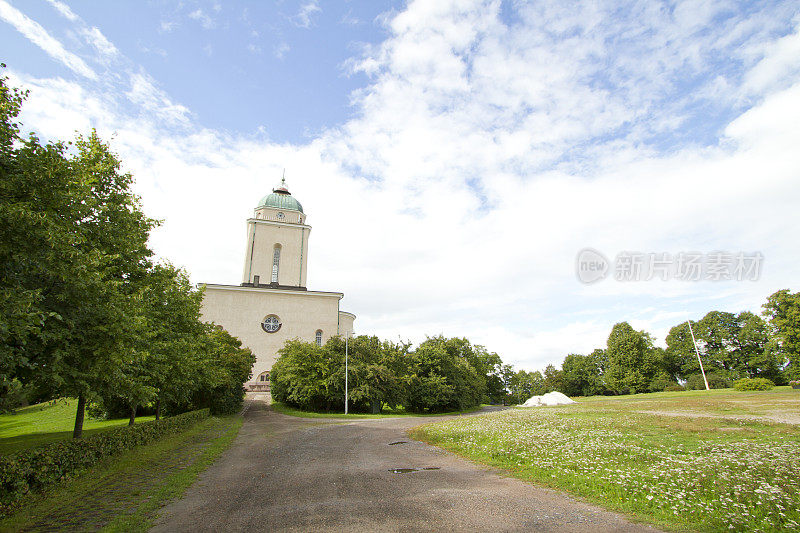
<point>715,381</point>
<point>37,469</point>
<point>746,384</point>
<point>674,388</point>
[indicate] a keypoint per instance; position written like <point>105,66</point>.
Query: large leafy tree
<point>782,310</point>
<point>74,238</point>
<point>524,384</point>
<point>582,374</point>
<point>631,361</point>
<point>442,378</point>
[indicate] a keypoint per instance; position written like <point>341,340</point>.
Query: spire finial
<point>282,187</point>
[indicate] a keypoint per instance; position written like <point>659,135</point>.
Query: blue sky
<point>453,156</point>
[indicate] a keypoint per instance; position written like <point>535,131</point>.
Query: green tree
<point>441,378</point>
<point>526,384</point>
<point>582,375</point>
<point>631,361</point>
<point>782,310</point>
<point>73,240</point>
<point>225,367</point>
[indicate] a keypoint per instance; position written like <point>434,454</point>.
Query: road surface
<point>301,474</point>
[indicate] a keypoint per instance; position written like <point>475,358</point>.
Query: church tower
<point>277,242</point>
<point>272,304</point>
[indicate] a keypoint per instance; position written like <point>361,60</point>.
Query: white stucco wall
<point>240,310</point>
<point>263,235</point>
<point>346,323</point>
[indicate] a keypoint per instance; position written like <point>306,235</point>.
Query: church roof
<point>281,198</point>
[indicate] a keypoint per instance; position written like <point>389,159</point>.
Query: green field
<point>47,422</point>
<point>699,460</point>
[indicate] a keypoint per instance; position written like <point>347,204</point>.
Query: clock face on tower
<point>281,215</point>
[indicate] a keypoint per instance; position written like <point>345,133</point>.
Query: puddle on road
<point>409,470</point>
<point>398,442</point>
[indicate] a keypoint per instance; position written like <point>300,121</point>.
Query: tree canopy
<point>85,311</point>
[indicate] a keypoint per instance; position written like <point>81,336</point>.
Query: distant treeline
<point>85,311</point>
<point>441,374</point>
<point>732,346</point>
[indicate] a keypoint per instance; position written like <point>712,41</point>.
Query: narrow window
<point>276,260</point>
<point>319,337</point>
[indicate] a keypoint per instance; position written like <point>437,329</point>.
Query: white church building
<point>272,304</point>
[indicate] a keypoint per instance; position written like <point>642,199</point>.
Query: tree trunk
<point>158,409</point>
<point>133,416</point>
<point>78,431</point>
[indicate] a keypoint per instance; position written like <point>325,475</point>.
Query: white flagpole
<point>698,355</point>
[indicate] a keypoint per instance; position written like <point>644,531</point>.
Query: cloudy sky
<point>453,157</point>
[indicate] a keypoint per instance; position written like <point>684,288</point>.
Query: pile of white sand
<point>551,398</point>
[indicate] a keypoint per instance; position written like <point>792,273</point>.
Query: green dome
<point>281,199</point>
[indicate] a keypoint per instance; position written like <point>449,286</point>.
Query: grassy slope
<point>387,413</point>
<point>47,422</point>
<point>706,474</point>
<point>124,493</point>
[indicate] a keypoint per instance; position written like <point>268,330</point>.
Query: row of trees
<point>441,374</point>
<point>85,312</point>
<point>732,346</point>
<point>451,374</point>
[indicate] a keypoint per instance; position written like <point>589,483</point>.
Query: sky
<point>454,157</point>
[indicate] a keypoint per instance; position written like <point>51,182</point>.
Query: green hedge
<point>746,384</point>
<point>35,470</point>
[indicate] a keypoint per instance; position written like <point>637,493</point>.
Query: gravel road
<point>298,474</point>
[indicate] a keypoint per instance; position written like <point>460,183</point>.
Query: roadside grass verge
<point>32,426</point>
<point>704,474</point>
<point>284,409</point>
<point>124,493</point>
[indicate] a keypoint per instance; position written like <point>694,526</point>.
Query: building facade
<point>272,304</point>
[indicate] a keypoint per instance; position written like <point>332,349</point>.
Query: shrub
<point>715,381</point>
<point>37,469</point>
<point>674,388</point>
<point>746,384</point>
<point>662,381</point>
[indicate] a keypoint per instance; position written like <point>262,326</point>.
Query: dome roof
<point>281,199</point>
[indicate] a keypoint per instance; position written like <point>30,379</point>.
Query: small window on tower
<point>319,337</point>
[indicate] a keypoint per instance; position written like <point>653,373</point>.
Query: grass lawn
<point>125,492</point>
<point>39,424</point>
<point>717,468</point>
<point>386,413</point>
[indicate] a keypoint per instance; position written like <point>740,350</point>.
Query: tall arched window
<point>276,261</point>
<point>319,337</point>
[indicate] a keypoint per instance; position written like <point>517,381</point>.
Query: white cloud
<point>203,18</point>
<point>34,32</point>
<point>144,93</point>
<point>64,9</point>
<point>96,38</point>
<point>780,57</point>
<point>482,157</point>
<point>167,26</point>
<point>280,50</point>
<point>304,17</point>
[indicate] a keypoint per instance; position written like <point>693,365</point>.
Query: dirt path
<point>781,417</point>
<point>295,474</point>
